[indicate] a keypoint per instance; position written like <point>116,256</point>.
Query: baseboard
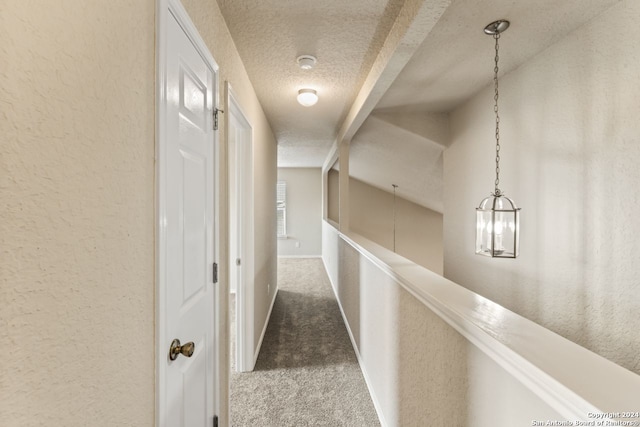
<point>374,399</point>
<point>264,329</point>
<point>299,256</point>
<point>333,285</point>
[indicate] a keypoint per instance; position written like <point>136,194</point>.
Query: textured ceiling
<point>345,36</point>
<point>453,63</point>
<point>442,60</point>
<point>456,60</point>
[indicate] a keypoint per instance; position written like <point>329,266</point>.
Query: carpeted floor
<point>307,373</point>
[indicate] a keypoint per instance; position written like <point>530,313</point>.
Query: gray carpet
<point>307,373</point>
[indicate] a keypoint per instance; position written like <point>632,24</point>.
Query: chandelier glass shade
<point>498,227</point>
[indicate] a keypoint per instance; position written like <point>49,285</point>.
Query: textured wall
<point>570,155</point>
<point>418,229</point>
<point>208,19</point>
<point>383,153</point>
<point>419,377</point>
<point>304,212</point>
<point>77,85</point>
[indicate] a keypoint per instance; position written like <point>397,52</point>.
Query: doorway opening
<point>241,274</point>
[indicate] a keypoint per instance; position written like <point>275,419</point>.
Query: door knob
<point>185,350</point>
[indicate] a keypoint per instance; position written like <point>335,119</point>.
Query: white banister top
<point>571,379</point>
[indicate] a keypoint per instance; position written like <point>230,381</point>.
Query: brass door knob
<point>185,350</point>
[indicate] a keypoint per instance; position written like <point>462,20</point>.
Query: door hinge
<point>215,117</point>
<point>215,421</point>
<point>215,272</point>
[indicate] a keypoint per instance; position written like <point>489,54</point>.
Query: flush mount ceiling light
<point>307,97</point>
<point>497,217</point>
<point>306,62</point>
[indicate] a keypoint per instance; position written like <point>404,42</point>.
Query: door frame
<point>244,221</point>
<point>163,9</point>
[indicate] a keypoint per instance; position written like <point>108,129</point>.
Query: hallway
<point>307,373</point>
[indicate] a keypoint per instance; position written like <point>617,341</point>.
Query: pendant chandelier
<point>497,217</point>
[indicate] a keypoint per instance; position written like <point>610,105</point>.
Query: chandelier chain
<point>496,36</point>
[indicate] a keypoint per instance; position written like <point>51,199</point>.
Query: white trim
<point>163,9</point>
<point>160,235</point>
<point>245,315</point>
<point>367,380</point>
<point>264,329</point>
<point>220,321</point>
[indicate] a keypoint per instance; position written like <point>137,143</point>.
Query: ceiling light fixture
<point>307,97</point>
<point>306,62</point>
<point>497,217</point>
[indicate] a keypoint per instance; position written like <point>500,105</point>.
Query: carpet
<point>307,373</point>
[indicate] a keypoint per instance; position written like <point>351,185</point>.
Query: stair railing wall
<point>435,353</point>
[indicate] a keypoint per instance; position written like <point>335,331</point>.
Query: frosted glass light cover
<point>498,228</point>
<point>307,97</point>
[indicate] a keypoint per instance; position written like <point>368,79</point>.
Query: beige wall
<point>77,185</point>
<point>410,355</point>
<point>77,84</point>
<point>333,195</point>
<point>571,131</point>
<point>304,212</point>
<point>418,229</point>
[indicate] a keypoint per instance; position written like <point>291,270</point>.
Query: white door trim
<point>243,170</point>
<point>163,9</point>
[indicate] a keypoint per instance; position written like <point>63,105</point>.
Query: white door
<point>186,232</point>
